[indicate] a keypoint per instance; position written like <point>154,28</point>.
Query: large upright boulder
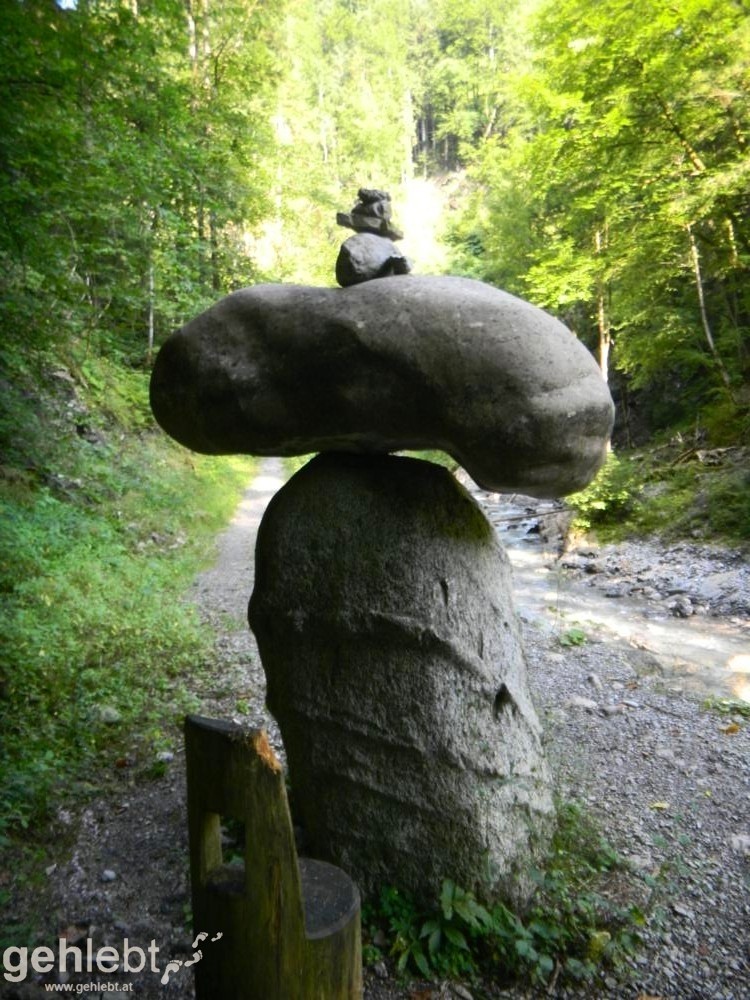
<point>386,365</point>
<point>384,617</point>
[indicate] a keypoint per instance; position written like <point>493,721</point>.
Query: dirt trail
<point>222,594</point>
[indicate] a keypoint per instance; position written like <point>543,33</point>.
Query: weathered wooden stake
<point>290,929</point>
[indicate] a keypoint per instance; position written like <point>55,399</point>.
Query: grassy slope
<point>674,490</point>
<point>103,524</point>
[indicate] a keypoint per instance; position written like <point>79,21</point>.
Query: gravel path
<point>667,781</point>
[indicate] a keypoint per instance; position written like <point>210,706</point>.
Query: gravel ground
<point>666,780</point>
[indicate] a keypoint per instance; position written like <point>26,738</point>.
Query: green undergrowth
<point>579,923</point>
<point>736,707</point>
<point>675,491</point>
<point>438,457</point>
<point>103,524</point>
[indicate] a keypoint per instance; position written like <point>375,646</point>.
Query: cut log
<point>290,929</point>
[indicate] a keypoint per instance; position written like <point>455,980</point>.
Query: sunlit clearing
<point>422,216</point>
<point>266,484</point>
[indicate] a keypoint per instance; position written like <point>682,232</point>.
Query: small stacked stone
<point>371,214</point>
<point>371,253</point>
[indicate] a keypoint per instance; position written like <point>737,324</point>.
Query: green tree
<point>619,198</point>
<point>465,53</point>
<point>135,137</point>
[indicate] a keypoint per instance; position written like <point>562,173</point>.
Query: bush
<point>607,498</point>
<point>671,490</point>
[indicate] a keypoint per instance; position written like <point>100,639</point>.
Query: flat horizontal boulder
<point>399,363</point>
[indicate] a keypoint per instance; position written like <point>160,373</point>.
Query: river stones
<point>398,363</point>
<point>385,622</point>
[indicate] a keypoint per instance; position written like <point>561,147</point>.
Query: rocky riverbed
<point>666,779</point>
<point>685,606</point>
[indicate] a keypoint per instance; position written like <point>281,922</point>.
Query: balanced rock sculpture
<point>382,603</point>
<point>371,252</point>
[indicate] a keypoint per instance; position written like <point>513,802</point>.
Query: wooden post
<point>290,930</point>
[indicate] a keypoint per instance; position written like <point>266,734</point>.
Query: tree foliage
<point>133,158</point>
<point>343,120</point>
<point>619,198</point>
<point>158,153</point>
<point>465,54</point>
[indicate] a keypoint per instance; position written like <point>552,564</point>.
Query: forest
<point>155,155</point>
<point>158,154</point>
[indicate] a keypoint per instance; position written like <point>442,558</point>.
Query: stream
<point>694,648</point>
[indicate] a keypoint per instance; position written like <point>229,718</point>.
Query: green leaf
<point>456,938</point>
<point>526,950</point>
<point>434,942</point>
<point>447,893</point>
<point>545,964</point>
<point>422,964</point>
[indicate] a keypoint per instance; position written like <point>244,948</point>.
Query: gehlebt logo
<point>19,962</point>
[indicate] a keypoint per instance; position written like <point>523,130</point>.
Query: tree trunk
<point>602,312</point>
<point>213,230</point>
<point>150,350</point>
<point>695,255</point>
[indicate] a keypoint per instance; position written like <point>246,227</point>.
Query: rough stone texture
<point>364,256</point>
<point>369,224</point>
<point>396,674</point>
<point>417,362</point>
<point>371,214</point>
<point>372,201</point>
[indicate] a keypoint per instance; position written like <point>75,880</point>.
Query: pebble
<point>641,862</point>
<point>109,714</point>
<point>578,702</point>
<point>460,991</point>
<point>681,608</point>
<point>108,875</point>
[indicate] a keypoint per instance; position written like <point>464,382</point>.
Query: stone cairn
<point>383,603</point>
<point>372,252</point>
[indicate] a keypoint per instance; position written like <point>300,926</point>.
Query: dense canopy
<point>592,157</point>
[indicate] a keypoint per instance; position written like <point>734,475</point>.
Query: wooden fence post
<point>290,928</point>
